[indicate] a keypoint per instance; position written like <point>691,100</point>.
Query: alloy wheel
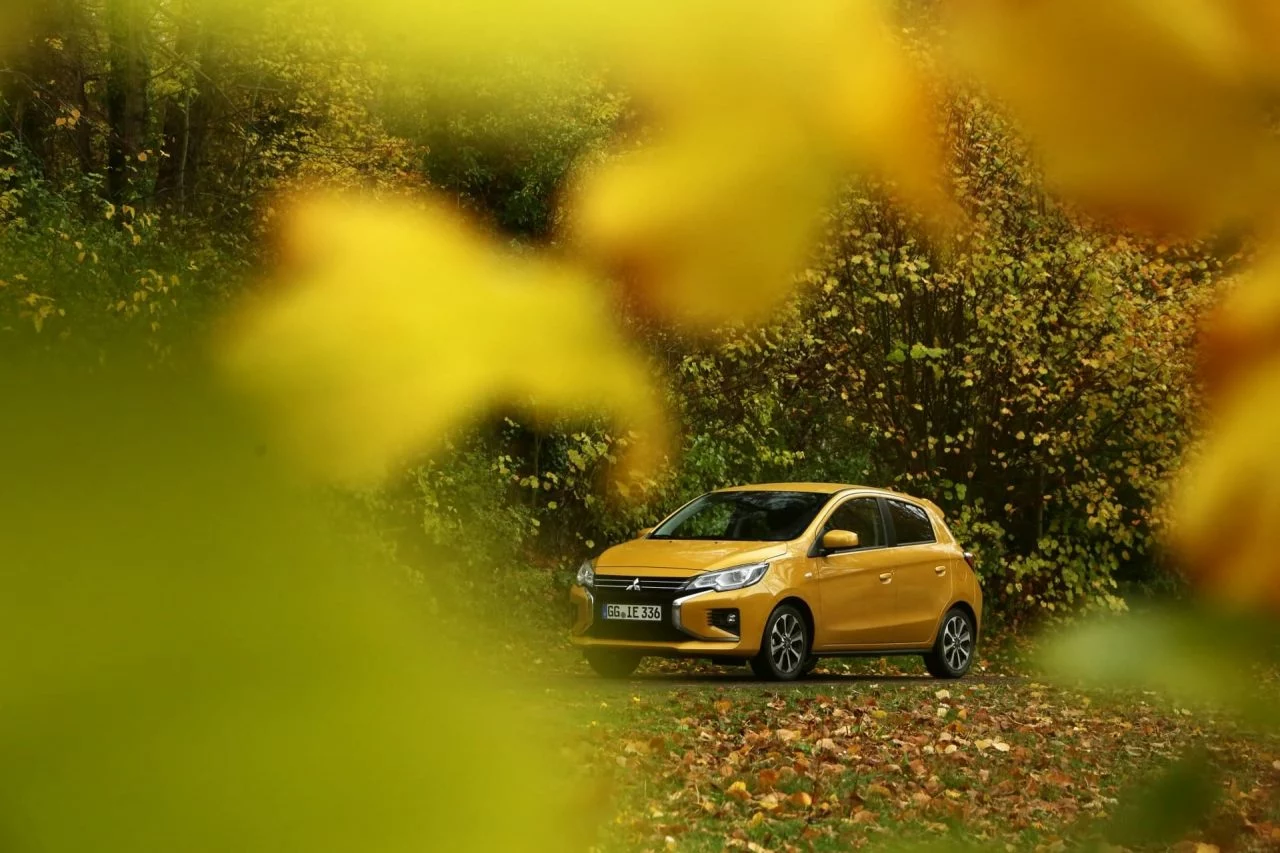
<point>957,642</point>
<point>786,643</point>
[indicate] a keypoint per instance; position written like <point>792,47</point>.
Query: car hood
<point>684,557</point>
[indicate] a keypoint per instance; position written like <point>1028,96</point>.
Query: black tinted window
<point>910,523</point>
<point>860,516</point>
<point>745,516</point>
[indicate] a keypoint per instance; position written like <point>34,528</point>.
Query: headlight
<point>726,579</point>
<point>586,574</point>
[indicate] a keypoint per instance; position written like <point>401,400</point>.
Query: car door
<point>855,586</point>
<point>922,572</point>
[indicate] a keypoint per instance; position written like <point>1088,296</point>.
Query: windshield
<point>744,516</point>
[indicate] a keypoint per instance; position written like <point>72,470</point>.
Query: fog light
<point>724,618</point>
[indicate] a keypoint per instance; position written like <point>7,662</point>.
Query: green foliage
<point>506,149</point>
<point>80,277</point>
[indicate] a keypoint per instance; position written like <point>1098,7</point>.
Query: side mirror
<point>839,540</point>
<point>640,534</point>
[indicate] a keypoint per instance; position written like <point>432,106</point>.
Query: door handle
<point>885,577</point>
<point>942,570</point>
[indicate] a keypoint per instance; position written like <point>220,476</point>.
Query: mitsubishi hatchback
<point>780,575</point>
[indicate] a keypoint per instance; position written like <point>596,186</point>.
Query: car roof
<point>823,488</point>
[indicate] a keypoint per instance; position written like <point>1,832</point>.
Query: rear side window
<point>911,524</point>
<point>860,516</point>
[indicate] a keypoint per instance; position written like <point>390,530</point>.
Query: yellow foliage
<point>393,324</point>
<point>1229,497</point>
<point>709,221</point>
<point>1147,109</point>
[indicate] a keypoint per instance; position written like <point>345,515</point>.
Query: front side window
<point>744,516</point>
<point>860,516</point>
<point>911,524</point>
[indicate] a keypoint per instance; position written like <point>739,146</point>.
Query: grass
<point>698,762</point>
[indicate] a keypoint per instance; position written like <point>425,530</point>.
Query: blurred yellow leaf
<point>1229,493</point>
<point>1142,108</point>
<point>199,656</point>
<point>709,222</point>
<point>395,323</point>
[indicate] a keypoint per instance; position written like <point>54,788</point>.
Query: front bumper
<point>687,627</point>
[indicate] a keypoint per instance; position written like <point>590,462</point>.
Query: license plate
<point>634,612</point>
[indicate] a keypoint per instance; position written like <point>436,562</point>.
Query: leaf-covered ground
<point>708,762</point>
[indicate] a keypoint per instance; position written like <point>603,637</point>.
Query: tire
<point>612,663</point>
<point>809,666</point>
<point>784,647</point>
<point>953,651</point>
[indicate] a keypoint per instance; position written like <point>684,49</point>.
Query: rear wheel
<point>952,653</point>
<point>785,646</point>
<point>612,663</point>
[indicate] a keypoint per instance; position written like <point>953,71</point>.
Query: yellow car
<point>780,575</point>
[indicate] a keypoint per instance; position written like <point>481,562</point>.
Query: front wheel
<point>952,653</point>
<point>612,663</point>
<point>785,646</point>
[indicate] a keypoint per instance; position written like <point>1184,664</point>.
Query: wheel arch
<point>805,611</point>
<point>959,604</point>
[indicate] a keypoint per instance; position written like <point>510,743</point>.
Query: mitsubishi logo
<point>634,586</point>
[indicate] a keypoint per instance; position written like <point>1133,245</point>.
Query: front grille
<point>631,582</point>
<point>614,590</point>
